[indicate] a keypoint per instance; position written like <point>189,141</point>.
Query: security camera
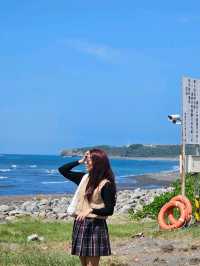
<point>176,119</point>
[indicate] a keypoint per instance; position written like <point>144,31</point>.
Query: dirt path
<point>144,251</point>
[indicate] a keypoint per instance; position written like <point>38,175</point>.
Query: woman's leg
<point>92,261</point>
<point>83,260</point>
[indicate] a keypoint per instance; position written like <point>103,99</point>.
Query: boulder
<point>6,208</point>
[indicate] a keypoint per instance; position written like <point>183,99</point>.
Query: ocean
<point>38,174</point>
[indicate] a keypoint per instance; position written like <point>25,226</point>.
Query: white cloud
<point>100,51</point>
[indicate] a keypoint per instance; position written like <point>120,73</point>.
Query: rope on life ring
<point>167,212</point>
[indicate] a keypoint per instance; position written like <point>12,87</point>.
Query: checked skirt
<point>90,238</point>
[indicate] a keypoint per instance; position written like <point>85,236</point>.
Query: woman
<point>97,198</point>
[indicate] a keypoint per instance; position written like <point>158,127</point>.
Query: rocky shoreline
<point>54,207</point>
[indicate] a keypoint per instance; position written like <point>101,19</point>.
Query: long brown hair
<point>101,169</point>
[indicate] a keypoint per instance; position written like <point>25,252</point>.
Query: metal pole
<point>182,169</point>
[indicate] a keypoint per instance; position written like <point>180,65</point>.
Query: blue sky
<point>77,73</point>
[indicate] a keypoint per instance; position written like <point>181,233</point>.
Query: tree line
<point>134,150</point>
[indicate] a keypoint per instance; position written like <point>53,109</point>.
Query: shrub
<point>151,210</point>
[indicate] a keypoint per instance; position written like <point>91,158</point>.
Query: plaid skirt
<point>90,238</point>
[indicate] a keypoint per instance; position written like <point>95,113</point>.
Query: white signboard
<point>191,110</point>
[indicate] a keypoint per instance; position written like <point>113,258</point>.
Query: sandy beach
<point>163,177</point>
<point>151,180</point>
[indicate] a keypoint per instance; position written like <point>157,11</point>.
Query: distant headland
<point>134,150</point>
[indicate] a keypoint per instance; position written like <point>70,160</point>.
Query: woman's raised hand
<point>84,158</point>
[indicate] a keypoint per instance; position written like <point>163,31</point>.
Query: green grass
<point>56,235</point>
<point>37,258</point>
<point>123,231</point>
<point>55,249</point>
<point>192,232</point>
<point>17,232</point>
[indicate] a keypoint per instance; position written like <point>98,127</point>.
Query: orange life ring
<point>188,209</point>
<point>164,212</point>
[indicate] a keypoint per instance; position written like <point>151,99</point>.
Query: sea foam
<point>175,168</point>
<point>5,170</point>
<point>51,171</point>
<point>33,166</point>
<point>3,177</point>
<point>122,176</point>
<point>53,182</point>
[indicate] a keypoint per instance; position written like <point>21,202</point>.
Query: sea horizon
<point>176,158</point>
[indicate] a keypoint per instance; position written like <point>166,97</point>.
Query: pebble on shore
<point>55,208</point>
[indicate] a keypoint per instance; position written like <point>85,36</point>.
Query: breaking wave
<point>53,182</point>
<point>5,170</point>
<point>51,171</point>
<point>3,177</point>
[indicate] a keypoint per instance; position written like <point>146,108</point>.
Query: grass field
<point>55,249</point>
<point>15,250</point>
